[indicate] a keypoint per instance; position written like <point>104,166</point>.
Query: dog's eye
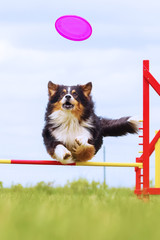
<point>74,94</point>
<point>63,93</point>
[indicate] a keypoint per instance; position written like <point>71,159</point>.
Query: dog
<point>72,131</point>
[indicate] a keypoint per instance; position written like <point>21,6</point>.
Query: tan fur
<point>78,110</point>
<point>57,106</point>
<point>64,90</point>
<point>52,88</point>
<point>73,91</point>
<point>87,89</point>
<point>84,152</point>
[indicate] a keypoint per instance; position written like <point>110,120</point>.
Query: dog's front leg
<point>62,154</point>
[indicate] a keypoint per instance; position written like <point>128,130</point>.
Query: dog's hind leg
<point>82,151</point>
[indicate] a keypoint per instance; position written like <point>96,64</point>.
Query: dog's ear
<point>52,88</point>
<point>87,89</point>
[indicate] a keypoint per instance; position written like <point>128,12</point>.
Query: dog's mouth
<point>67,105</point>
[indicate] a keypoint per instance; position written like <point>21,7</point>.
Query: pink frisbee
<point>73,27</point>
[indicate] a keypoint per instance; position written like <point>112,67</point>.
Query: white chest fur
<point>68,127</point>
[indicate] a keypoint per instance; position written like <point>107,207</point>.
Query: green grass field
<point>78,210</point>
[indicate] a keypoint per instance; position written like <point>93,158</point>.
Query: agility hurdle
<point>142,176</point>
<point>141,165</point>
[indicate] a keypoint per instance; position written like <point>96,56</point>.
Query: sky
<point>32,53</point>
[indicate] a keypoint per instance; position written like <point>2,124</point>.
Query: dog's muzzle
<point>68,105</point>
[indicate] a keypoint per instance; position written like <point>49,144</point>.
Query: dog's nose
<point>68,97</point>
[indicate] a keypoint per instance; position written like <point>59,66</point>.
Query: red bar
<point>145,128</point>
<point>154,191</point>
<point>152,81</point>
<point>152,144</point>
<point>40,162</point>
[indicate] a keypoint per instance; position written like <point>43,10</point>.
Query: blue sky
<point>32,53</point>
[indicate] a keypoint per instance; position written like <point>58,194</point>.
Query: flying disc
<point>73,27</point>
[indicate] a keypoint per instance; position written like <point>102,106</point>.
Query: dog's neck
<point>62,117</point>
<point>66,118</point>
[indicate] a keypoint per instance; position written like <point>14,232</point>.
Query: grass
<point>78,210</point>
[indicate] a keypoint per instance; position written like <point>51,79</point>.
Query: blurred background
<point>32,53</point>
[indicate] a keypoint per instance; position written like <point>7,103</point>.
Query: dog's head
<point>69,98</point>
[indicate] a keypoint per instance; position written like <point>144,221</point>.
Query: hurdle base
<point>150,191</point>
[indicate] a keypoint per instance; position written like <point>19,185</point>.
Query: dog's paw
<point>63,155</point>
<point>81,140</point>
<point>83,152</point>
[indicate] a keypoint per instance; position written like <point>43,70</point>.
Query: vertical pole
<point>138,179</point>
<point>104,170</point>
<point>157,163</point>
<point>145,129</point>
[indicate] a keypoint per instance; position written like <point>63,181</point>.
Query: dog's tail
<point>118,127</point>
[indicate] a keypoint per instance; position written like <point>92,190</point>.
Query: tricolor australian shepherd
<point>73,132</point>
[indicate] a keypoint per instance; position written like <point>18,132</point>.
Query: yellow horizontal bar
<point>109,164</point>
<point>140,152</point>
<point>140,120</point>
<point>5,161</point>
